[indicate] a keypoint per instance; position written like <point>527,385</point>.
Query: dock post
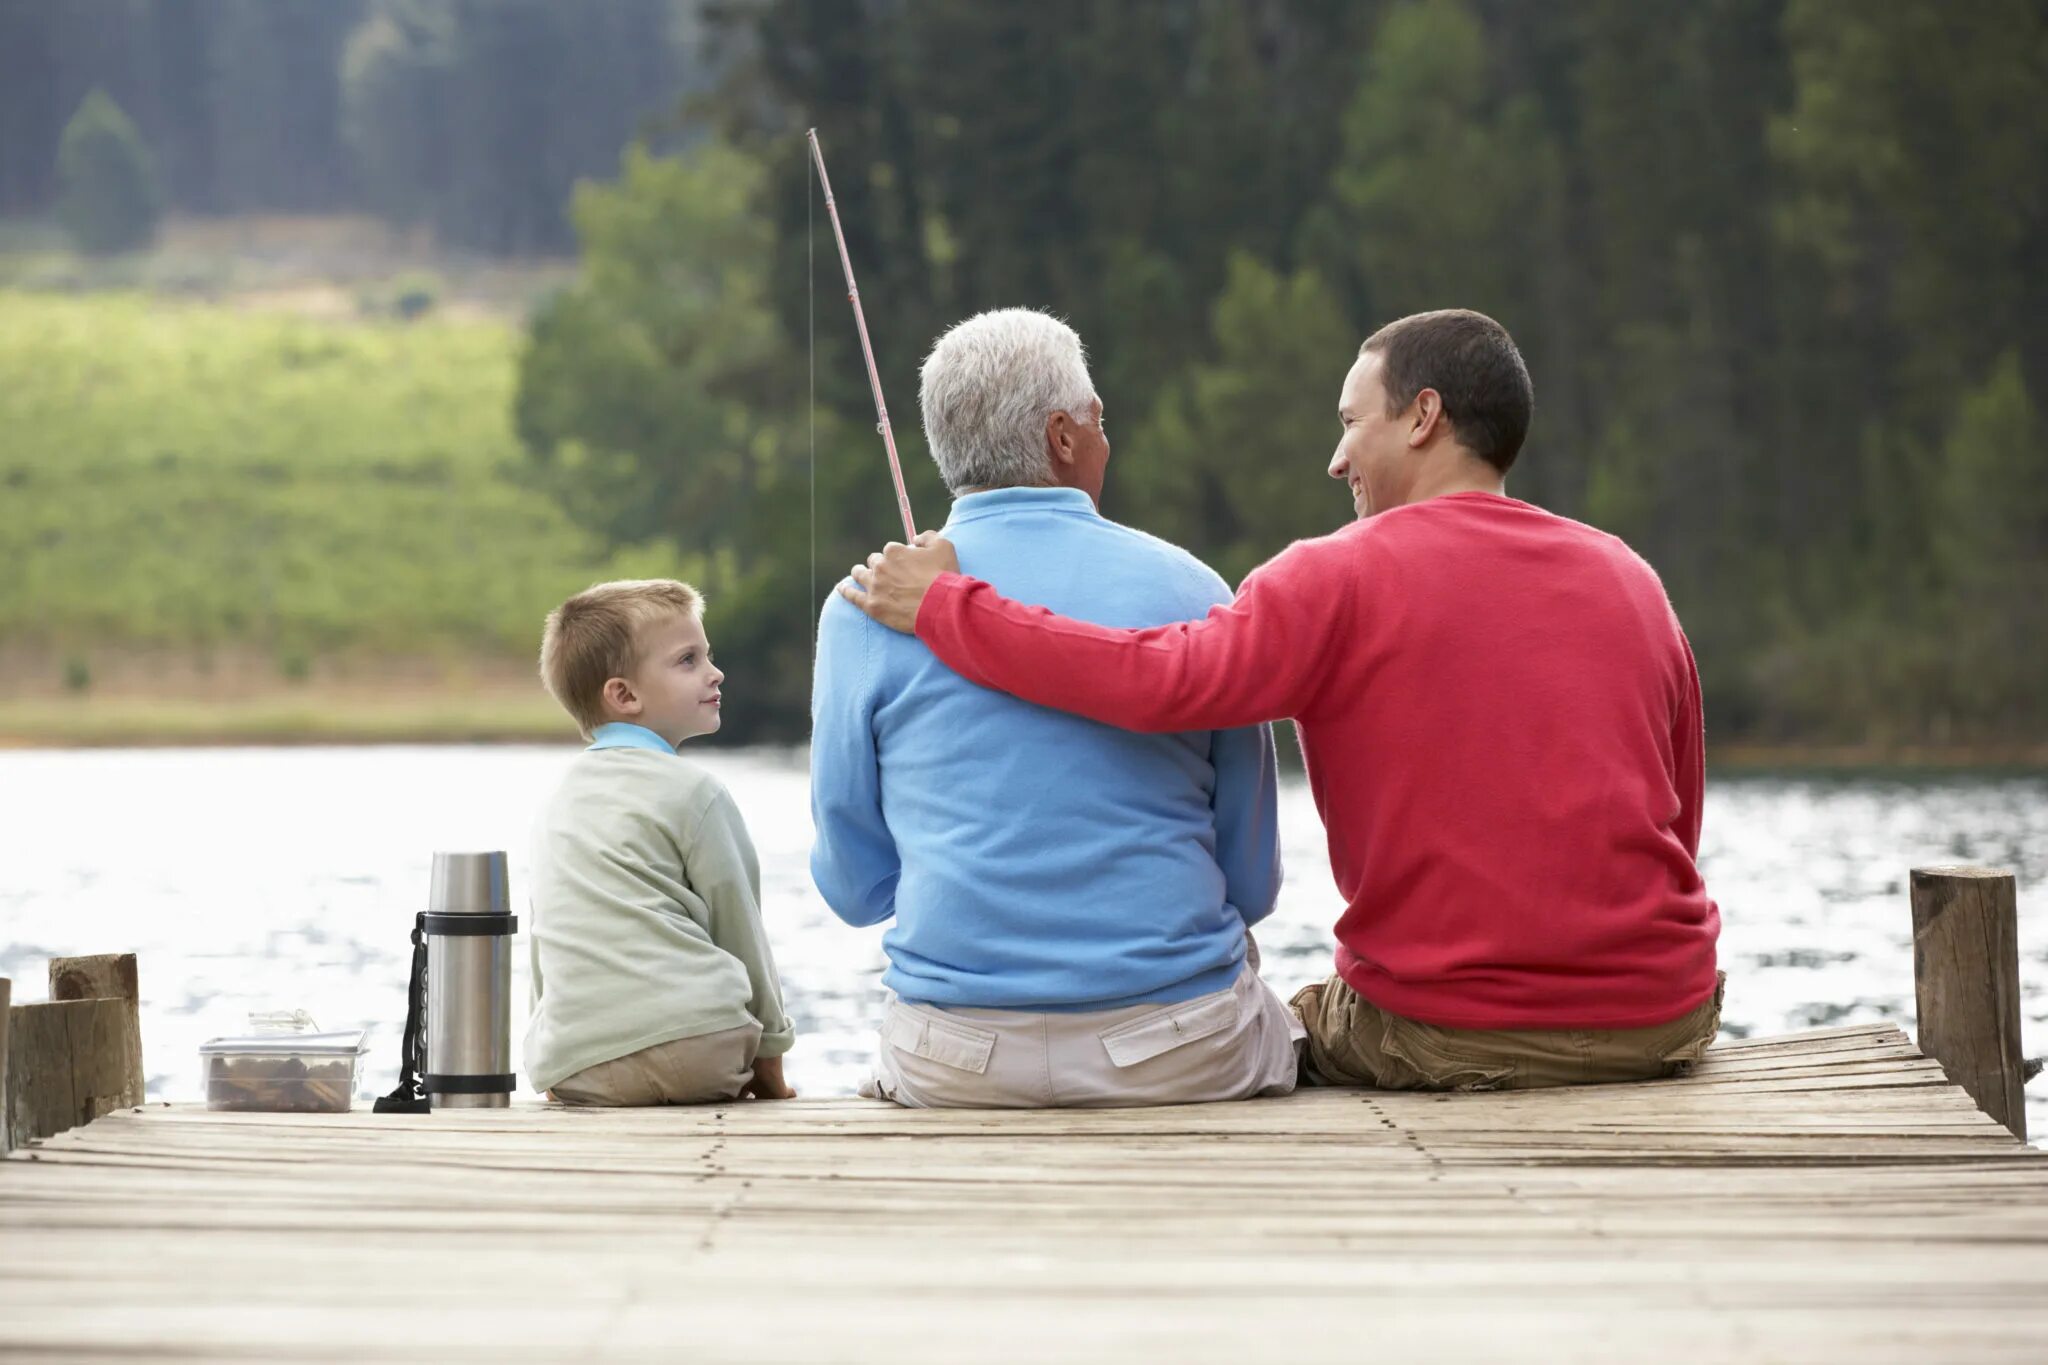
<point>6,1121</point>
<point>1966,976</point>
<point>71,1061</point>
<point>106,976</point>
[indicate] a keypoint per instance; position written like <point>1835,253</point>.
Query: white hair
<point>988,387</point>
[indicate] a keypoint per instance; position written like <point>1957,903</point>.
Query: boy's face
<point>674,689</point>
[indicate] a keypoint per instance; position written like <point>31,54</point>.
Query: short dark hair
<point>1471,361</point>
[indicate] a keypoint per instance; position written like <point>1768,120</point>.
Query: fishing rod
<point>860,321</point>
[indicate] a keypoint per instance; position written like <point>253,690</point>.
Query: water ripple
<point>253,879</point>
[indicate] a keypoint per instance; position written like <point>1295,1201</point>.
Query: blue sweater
<point>1034,860</point>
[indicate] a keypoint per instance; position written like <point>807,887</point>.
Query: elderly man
<point>1502,724</point>
<point>1072,903</point>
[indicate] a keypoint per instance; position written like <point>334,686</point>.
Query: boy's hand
<point>767,1083</point>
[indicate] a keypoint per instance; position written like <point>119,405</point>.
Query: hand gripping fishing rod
<point>861,322</point>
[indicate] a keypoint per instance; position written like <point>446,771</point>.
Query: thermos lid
<point>469,884</point>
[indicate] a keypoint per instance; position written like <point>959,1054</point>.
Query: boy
<point>652,979</point>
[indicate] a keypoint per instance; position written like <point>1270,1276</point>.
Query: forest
<point>1779,268</point>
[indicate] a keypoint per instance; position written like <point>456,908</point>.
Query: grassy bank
<point>286,718</point>
<point>199,477</point>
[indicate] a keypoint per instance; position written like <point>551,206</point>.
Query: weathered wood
<point>70,1062</point>
<point>1877,1216</point>
<point>1966,975</point>
<point>104,976</point>
<point>6,1127</point>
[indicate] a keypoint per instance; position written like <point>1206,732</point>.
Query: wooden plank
<point>1966,976</point>
<point>1821,1198</point>
<point>68,1063</point>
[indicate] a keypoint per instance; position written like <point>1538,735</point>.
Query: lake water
<point>255,879</point>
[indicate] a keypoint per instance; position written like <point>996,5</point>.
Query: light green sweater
<point>646,916</point>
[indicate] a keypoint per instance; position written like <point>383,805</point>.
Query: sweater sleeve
<point>854,861</point>
<point>722,868</point>
<point>1258,658</point>
<point>1688,749</point>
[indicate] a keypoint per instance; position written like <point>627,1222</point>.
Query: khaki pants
<point>713,1066</point>
<point>1351,1041</point>
<point>1229,1045</point>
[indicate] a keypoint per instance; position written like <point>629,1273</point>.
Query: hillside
<point>201,504</point>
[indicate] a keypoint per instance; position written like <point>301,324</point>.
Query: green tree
<point>659,400</point>
<point>1230,457</point>
<point>1916,140</point>
<point>1446,191</point>
<point>110,201</point>
<point>1447,184</point>
<point>1991,554</point>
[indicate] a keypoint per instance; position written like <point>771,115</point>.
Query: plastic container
<point>283,1073</point>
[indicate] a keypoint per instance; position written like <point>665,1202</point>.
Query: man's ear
<point>619,695</point>
<point>1429,418</point>
<point>1059,437</point>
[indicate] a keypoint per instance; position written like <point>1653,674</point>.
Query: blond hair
<point>594,637</point>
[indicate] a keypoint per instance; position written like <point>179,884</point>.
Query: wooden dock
<point>1824,1197</point>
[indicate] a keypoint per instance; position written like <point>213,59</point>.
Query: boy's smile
<point>675,689</point>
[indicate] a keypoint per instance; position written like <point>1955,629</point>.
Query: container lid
<point>347,1043</point>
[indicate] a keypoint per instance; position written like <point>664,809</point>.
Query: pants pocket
<point>1163,1030</point>
<point>932,1036</point>
<point>1688,1039</point>
<point>1438,1064</point>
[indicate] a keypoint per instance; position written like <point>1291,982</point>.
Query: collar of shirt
<point>620,734</point>
<point>996,501</point>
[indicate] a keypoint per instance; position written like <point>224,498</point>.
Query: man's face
<point>675,683</point>
<point>1372,453</point>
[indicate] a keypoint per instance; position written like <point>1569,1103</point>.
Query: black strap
<point>471,926</point>
<point>438,1084</point>
<point>409,1098</point>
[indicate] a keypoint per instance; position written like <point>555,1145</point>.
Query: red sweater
<point>1502,725</point>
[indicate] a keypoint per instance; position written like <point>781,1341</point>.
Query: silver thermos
<point>457,1047</point>
<point>469,927</point>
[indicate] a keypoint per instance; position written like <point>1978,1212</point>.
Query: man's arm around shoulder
<point>1261,657</point>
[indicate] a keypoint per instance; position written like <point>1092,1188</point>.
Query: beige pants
<point>1229,1045</point>
<point>712,1066</point>
<point>1352,1041</point>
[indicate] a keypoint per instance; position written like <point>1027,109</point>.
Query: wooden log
<point>68,1063</point>
<point>104,976</point>
<point>107,976</point>
<point>1966,975</point>
<point>6,1128</point>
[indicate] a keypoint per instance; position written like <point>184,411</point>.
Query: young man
<point>1502,724</point>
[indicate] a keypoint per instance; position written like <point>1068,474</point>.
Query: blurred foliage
<point>434,95</point>
<point>660,397</point>
<point>193,477</point>
<point>108,199</point>
<point>1778,267</point>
